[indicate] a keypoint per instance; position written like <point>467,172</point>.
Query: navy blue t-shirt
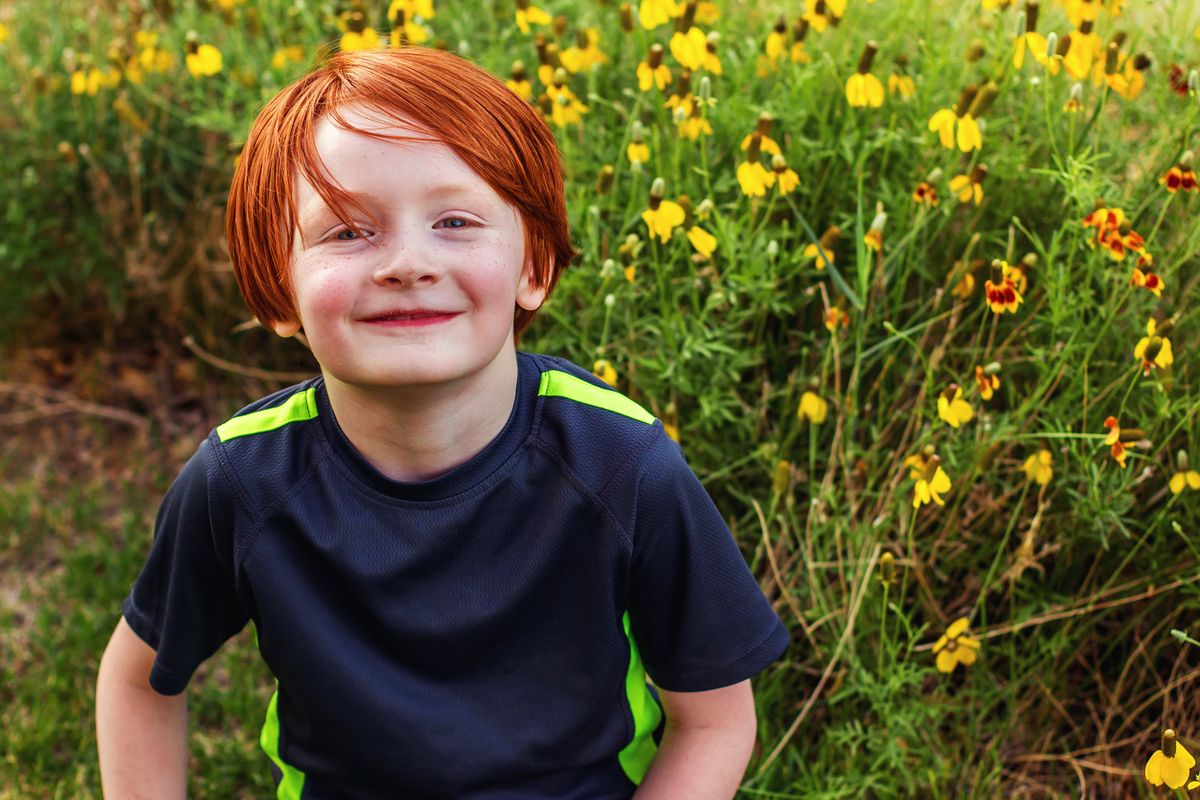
<point>484,634</point>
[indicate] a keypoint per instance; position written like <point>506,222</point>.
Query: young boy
<point>461,560</point>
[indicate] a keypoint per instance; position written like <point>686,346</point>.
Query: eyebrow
<point>441,190</point>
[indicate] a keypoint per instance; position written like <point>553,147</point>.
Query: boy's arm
<point>141,734</point>
<point>706,744</point>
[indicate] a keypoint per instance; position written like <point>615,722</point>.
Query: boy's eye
<point>338,236</point>
<point>466,223</point>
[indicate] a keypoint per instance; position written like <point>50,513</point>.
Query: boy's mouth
<point>419,316</point>
<point>420,313</point>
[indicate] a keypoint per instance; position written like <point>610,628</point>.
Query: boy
<point>461,560</point>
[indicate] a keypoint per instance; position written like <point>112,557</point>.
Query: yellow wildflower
<point>1038,467</point>
<point>411,8</point>
<point>952,408</point>
<point>812,408</point>
<point>1186,477</point>
<point>786,178</point>
<point>287,55</point>
<point>1031,39</point>
<point>902,85</point>
<point>704,242</point>
<point>662,216</point>
<point>363,39</point>
<point>1082,52</point>
<point>1170,764</point>
<point>824,252</point>
<point>970,187</point>
<point>565,108</point>
<point>652,13</point>
<point>652,72</point>
<point>689,49</point>
<point>752,176</point>
<point>1154,349</point>
<point>862,88</point>
<point>203,60</point>
<point>586,54</point>
<point>605,371</point>
<point>518,81</point>
<point>956,125</point>
<point>85,81</point>
<point>530,14</point>
<point>955,647</point>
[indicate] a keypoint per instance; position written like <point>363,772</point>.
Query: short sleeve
<point>696,612</point>
<point>184,604</point>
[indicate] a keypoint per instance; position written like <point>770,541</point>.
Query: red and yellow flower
<point>987,380</point>
<point>1006,294</point>
<point>1148,280</point>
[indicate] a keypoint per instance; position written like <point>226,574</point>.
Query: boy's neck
<point>417,433</point>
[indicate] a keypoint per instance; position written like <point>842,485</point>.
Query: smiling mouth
<point>414,318</point>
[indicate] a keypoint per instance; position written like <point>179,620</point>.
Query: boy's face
<point>447,243</point>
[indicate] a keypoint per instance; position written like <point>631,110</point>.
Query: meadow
<point>911,283</point>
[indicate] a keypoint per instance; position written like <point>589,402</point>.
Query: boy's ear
<point>530,297</point>
<point>286,328</point>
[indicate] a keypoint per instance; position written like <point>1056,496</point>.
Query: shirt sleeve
<point>696,612</point>
<point>184,604</point>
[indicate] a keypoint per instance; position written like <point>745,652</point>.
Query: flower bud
<point>992,368</point>
<point>1168,743</point>
<point>626,18</point>
<point>658,189</point>
<point>966,98</point>
<point>1051,45</point>
<point>608,268</point>
<point>1181,459</point>
<point>604,181</point>
<point>704,90</point>
<point>1194,81</point>
<point>983,101</point>
<point>887,568</point>
<point>1077,91</point>
<point>868,55</point>
<point>772,249</point>
<point>1185,160</point>
<point>610,300</point>
<point>1110,58</point>
<point>1020,25</point>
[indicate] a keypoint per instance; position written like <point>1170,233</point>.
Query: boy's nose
<point>406,265</point>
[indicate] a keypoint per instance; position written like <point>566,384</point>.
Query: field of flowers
<point>912,282</point>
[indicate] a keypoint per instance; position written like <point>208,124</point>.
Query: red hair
<point>495,132</point>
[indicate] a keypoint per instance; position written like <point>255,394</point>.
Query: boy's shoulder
<point>596,430</point>
<point>271,440</point>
